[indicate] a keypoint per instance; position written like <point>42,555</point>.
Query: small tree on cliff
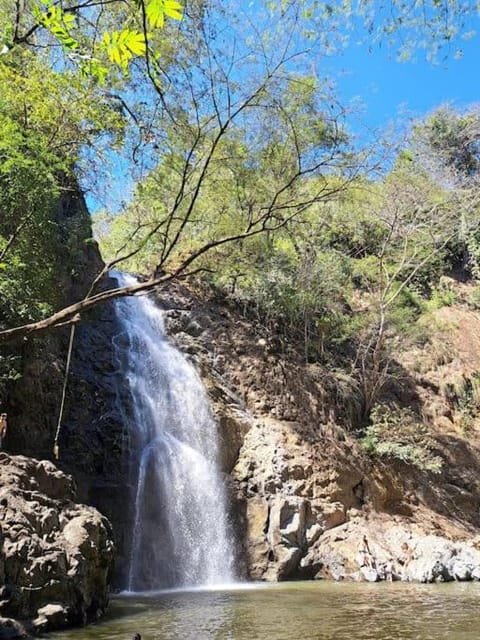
<point>418,219</point>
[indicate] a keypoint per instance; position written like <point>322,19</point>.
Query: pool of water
<point>293,611</point>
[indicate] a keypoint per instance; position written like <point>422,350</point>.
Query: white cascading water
<point>180,536</point>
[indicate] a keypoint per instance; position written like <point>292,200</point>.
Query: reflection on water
<point>295,610</point>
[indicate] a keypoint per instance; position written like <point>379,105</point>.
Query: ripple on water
<point>293,611</point>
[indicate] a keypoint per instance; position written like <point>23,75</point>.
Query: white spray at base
<point>180,534</point>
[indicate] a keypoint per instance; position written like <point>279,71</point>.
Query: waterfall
<point>180,536</point>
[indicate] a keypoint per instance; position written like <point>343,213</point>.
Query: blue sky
<point>389,88</point>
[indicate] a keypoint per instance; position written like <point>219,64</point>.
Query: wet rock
<point>460,570</point>
<point>285,565</point>
<point>181,321</point>
<point>51,616</point>
<point>369,574</point>
<point>475,573</point>
<point>11,629</point>
<point>94,438</point>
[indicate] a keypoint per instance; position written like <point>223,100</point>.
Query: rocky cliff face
<point>307,501</point>
<point>33,401</point>
<point>56,555</point>
<point>94,440</point>
<point>323,511</point>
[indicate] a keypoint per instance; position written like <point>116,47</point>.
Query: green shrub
<point>440,297</point>
<point>397,433</point>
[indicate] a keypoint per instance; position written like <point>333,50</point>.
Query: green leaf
<point>121,46</point>
<point>135,42</point>
<point>155,14</point>
<point>58,23</point>
<point>158,9</point>
<point>173,9</point>
<point>94,68</point>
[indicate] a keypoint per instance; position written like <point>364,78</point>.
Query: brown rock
<point>56,554</point>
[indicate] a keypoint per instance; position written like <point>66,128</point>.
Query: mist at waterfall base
<point>180,536</point>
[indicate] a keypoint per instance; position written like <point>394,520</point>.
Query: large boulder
<point>56,555</point>
<point>377,548</point>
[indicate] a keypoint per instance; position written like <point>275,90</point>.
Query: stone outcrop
<point>290,495</point>
<point>313,512</point>
<point>377,548</point>
<point>304,493</point>
<point>56,555</point>
<point>94,438</point>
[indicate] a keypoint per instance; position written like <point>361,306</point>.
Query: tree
<point>240,115</point>
<point>435,26</point>
<point>205,86</point>
<point>417,219</point>
<point>97,36</point>
<point>447,145</point>
<point>92,32</point>
<point>44,121</point>
<point>449,141</point>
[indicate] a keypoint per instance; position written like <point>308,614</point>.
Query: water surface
<point>295,610</point>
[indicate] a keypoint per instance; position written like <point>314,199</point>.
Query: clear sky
<point>388,88</point>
